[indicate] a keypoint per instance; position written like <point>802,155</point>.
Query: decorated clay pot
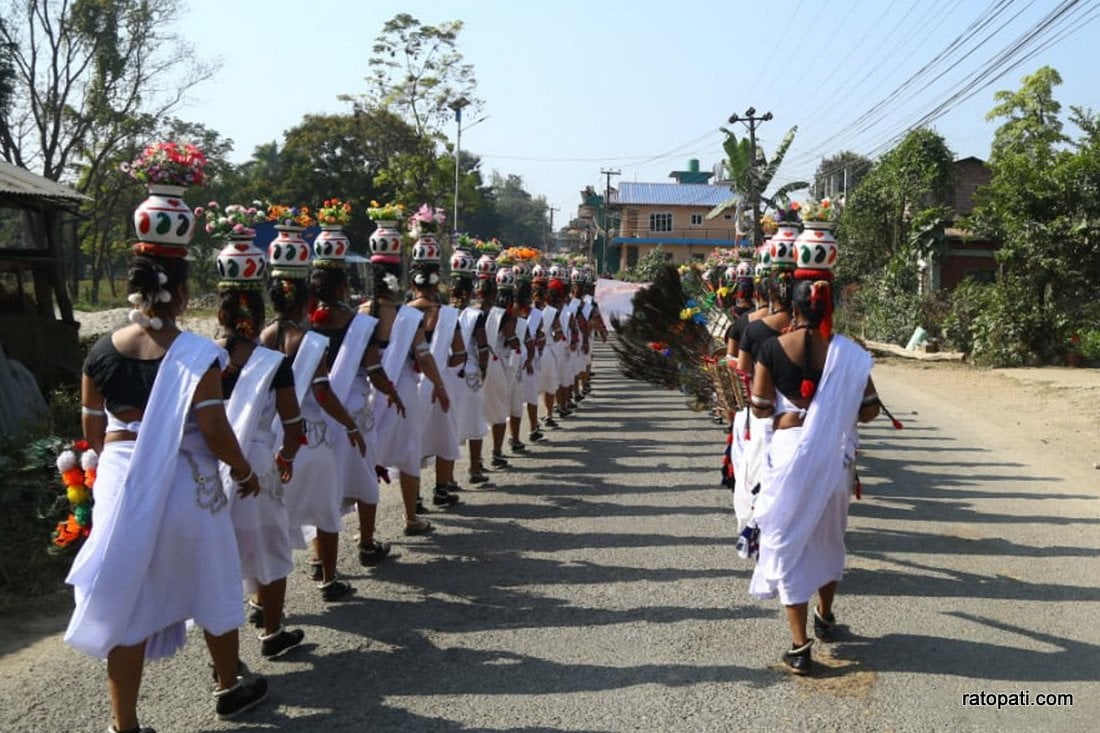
<point>743,269</point>
<point>426,249</point>
<point>782,247</point>
<point>522,268</point>
<point>385,241</point>
<point>557,272</point>
<point>241,262</point>
<point>331,244</point>
<point>288,254</point>
<point>463,262</point>
<point>506,278</point>
<point>539,272</point>
<point>164,217</point>
<point>816,247</point>
<point>486,266</point>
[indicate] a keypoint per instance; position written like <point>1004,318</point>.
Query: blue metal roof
<point>671,194</point>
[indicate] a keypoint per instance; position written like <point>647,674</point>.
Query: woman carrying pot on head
<point>355,365</point>
<point>750,438</point>
<point>406,355</point>
<point>548,359</point>
<point>813,385</point>
<point>529,373</point>
<point>439,438</point>
<point>163,550</point>
<point>258,384</point>
<point>501,329</point>
<point>470,422</point>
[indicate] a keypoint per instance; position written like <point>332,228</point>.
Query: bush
<point>32,501</point>
<point>1090,346</point>
<point>967,302</point>
<point>889,314</point>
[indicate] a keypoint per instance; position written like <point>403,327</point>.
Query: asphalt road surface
<point>594,587</point>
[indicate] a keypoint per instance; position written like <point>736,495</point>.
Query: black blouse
<point>736,331</point>
<point>786,375</point>
<point>756,333</point>
<point>284,377</point>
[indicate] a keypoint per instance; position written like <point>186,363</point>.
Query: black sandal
<point>797,659</point>
<point>824,626</point>
<point>419,527</point>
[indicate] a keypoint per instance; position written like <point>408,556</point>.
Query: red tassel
<point>897,424</point>
<point>806,389</point>
<point>729,439</point>
<point>859,488</point>
<point>302,440</point>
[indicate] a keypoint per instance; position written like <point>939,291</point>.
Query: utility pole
<point>457,106</point>
<point>606,210</point>
<point>750,119</point>
<point>550,243</point>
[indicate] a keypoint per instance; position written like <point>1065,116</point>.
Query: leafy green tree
<point>523,217</point>
<point>85,76</point>
<point>740,171</point>
<point>894,214</point>
<point>1042,207</point>
<point>417,72</point>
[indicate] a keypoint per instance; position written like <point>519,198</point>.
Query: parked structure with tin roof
<point>672,216</point>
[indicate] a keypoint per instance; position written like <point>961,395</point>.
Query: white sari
<point>469,399</point>
<point>802,508</point>
<point>440,437</point>
<point>162,550</point>
<point>262,523</point>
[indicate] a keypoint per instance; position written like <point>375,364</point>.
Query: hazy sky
<point>642,86</point>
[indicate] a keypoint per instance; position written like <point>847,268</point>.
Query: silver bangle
<point>92,412</point>
<point>246,479</point>
<point>207,403</point>
<point>293,421</point>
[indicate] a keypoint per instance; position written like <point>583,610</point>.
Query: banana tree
<point>739,168</point>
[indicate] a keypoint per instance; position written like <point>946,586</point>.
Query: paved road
<point>594,588</point>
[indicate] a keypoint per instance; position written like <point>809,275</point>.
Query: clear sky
<point>642,85</point>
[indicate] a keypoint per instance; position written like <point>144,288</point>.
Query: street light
<point>457,106</point>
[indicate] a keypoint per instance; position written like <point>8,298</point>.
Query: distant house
<point>965,256</point>
<point>672,216</point>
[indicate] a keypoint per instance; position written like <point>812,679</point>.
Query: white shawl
<point>347,362</point>
<point>788,509</point>
<point>247,401</point>
<point>108,570</point>
<point>401,338</point>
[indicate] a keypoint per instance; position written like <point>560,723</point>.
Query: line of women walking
<point>217,460</point>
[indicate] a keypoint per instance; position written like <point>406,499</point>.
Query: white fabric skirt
<point>397,439</point>
<point>439,437</point>
<point>470,423</point>
<point>193,572</point>
<point>822,559</point>
<point>548,370</point>
<point>315,495</point>
<point>262,523</point>
<point>566,366</point>
<point>498,394</point>
<point>358,478</point>
<point>531,384</point>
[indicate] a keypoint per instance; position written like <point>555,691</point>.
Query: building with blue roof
<point>672,216</point>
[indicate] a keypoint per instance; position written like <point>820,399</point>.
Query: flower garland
<point>291,216</point>
<point>385,212</point>
<point>77,466</point>
<point>522,253</point>
<point>234,220</point>
<point>169,164</point>
<point>334,213</point>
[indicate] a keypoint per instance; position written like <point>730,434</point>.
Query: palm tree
<point>739,169</point>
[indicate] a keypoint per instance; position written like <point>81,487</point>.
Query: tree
<point>907,184</point>
<point>740,171</point>
<point>840,173</point>
<point>523,217</point>
<point>85,75</point>
<point>1042,207</point>
<point>417,72</point>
